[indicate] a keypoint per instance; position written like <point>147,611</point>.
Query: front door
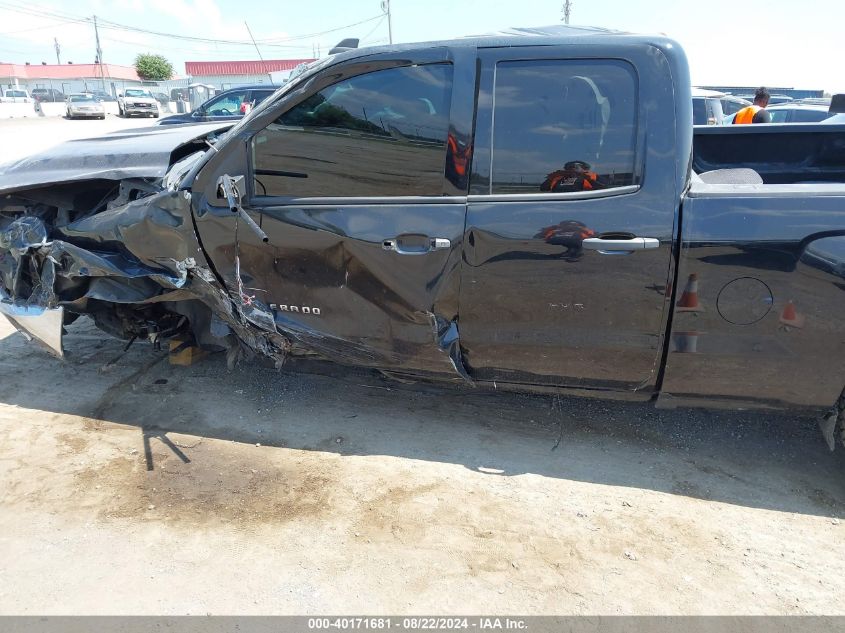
<point>568,241</point>
<point>347,180</point>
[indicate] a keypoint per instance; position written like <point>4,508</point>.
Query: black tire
<point>102,118</point>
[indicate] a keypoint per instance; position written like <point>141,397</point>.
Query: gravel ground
<point>129,486</point>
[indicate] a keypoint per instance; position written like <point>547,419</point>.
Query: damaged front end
<point>130,261</point>
<point>131,231</point>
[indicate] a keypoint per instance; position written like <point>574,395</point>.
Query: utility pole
<point>99,56</point>
<point>567,10</point>
<point>58,50</point>
<point>385,6</point>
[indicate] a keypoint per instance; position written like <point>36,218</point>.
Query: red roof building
<point>240,68</point>
<point>24,72</point>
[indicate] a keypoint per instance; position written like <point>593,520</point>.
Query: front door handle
<point>620,246</point>
<point>422,246</point>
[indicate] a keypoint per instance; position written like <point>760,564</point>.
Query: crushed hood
<point>134,153</point>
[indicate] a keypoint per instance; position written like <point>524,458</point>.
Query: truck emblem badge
<point>281,307</point>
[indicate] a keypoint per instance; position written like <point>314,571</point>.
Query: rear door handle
<point>620,246</point>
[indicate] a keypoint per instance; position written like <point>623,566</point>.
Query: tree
<point>153,67</point>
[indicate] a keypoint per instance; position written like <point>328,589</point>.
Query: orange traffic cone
<point>689,299</point>
<point>790,316</point>
<point>686,342</point>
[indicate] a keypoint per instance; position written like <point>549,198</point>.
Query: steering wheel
<point>223,112</point>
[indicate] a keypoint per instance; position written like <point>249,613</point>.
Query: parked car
<point>15,95</point>
<point>136,101</point>
<point>707,107</point>
<point>229,105</point>
<point>779,99</point>
<point>799,113</point>
<point>49,95</point>
<point>84,106</point>
<point>100,95</point>
<point>514,211</point>
<point>162,98</point>
<point>773,99</point>
<point>731,105</point>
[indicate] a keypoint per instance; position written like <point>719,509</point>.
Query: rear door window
<point>562,126</point>
<point>378,134</point>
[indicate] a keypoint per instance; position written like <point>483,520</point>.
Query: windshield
<point>82,99</point>
<point>15,93</point>
<point>138,93</point>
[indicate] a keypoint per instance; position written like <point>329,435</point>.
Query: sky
<point>774,43</point>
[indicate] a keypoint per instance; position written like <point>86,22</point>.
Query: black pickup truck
<point>524,210</point>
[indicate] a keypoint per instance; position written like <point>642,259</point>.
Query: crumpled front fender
<point>142,253</point>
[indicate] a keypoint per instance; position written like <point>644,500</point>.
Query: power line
<point>248,30</point>
<point>108,24</point>
<point>43,14</point>
<point>165,48</point>
<point>34,28</point>
<point>378,24</point>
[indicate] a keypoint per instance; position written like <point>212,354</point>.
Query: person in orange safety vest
<point>576,175</point>
<point>756,112</point>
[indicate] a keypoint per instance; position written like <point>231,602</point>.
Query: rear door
<point>568,241</point>
<point>347,177</point>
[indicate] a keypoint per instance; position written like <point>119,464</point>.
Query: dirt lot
<point>128,486</point>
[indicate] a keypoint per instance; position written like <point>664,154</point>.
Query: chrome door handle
<point>611,246</point>
<point>432,244</point>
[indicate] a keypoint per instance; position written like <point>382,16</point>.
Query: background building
<point>223,75</point>
<point>68,78</point>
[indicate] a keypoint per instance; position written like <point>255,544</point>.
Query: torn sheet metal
<point>142,254</point>
<point>336,291</point>
<point>446,335</point>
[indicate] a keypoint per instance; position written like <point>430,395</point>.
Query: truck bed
<point>781,154</point>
